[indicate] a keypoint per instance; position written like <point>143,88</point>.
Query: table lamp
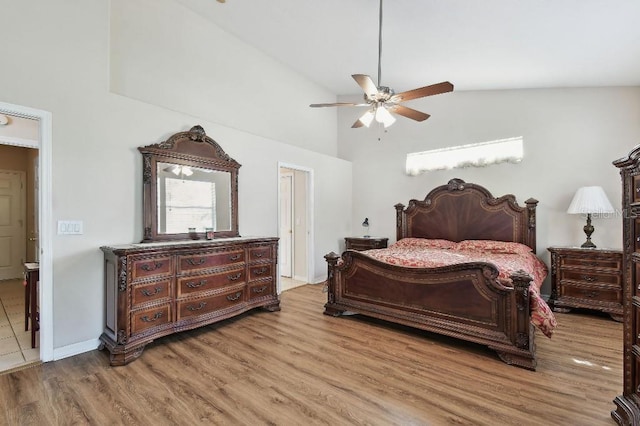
<point>590,200</point>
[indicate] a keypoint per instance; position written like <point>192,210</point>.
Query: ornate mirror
<point>190,189</point>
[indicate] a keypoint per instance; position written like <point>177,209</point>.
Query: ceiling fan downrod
<point>380,46</point>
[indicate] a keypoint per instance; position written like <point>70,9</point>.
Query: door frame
<point>309,187</point>
<point>45,222</point>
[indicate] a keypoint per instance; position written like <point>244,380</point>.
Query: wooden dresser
<point>586,278</point>
<point>156,289</point>
<point>628,404</point>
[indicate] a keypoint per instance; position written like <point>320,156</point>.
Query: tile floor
<point>15,343</point>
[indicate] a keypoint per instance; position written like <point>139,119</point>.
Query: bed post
<point>531,226</point>
<point>400,222</point>
<point>332,260</point>
<point>522,334</point>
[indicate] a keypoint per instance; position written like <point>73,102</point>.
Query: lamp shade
<point>590,199</point>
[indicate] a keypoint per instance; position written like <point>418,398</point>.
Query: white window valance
<point>472,155</point>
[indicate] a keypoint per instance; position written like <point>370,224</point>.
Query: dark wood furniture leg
<point>27,304</point>
<point>32,275</point>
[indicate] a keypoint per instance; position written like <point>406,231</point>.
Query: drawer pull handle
<point>147,293</point>
<point>232,297</point>
<point>258,254</point>
<point>154,318</point>
<point>589,279</point>
<point>193,262</point>
<point>194,284</point>
<point>260,271</point>
<point>234,256</point>
<point>234,277</point>
<point>151,266</point>
<point>591,294</point>
<point>259,290</point>
<point>197,308</point>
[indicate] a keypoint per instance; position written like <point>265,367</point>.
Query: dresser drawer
<point>590,277</point>
<point>189,263</point>
<point>151,267</point>
<point>593,293</point>
<point>192,284</point>
<point>260,253</point>
<point>613,263</point>
<point>149,292</point>
<point>150,317</point>
<point>205,305</point>
<point>260,271</point>
<point>261,289</point>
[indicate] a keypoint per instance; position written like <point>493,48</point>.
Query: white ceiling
<point>475,44</point>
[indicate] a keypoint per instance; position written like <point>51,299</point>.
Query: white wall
<point>166,54</point>
<point>56,58</point>
<point>571,136</point>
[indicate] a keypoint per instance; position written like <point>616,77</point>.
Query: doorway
<point>27,134</point>
<point>295,216</point>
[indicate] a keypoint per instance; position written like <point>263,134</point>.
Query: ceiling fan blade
<point>364,81</point>
<point>409,113</point>
<point>434,89</point>
<point>357,124</point>
<point>336,104</point>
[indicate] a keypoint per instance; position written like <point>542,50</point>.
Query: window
<point>476,154</point>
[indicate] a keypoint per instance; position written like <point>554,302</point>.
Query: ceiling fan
<point>383,101</point>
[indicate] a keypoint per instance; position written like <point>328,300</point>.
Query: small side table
<point>31,314</point>
<point>589,278</point>
<point>365,243</point>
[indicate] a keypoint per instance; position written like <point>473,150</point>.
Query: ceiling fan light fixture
<point>367,118</point>
<point>383,116</point>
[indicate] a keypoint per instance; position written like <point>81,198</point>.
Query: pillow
<point>430,243</point>
<point>504,247</point>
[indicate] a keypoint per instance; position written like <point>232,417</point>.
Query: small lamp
<point>590,199</point>
<point>365,227</point>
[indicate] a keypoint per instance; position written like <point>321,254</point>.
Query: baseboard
<point>75,349</point>
<point>300,278</point>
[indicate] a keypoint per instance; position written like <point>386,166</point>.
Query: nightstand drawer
<point>365,243</point>
<point>613,263</point>
<point>590,277</point>
<point>592,293</point>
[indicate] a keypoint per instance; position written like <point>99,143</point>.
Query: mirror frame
<point>195,149</point>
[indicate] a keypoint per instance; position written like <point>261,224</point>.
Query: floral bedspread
<point>507,257</point>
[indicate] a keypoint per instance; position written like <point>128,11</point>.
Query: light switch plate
<point>70,227</point>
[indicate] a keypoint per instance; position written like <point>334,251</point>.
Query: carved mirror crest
<point>190,189</point>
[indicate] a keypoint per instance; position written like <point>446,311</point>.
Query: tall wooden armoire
<point>627,410</point>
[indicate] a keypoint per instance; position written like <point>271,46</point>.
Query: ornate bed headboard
<point>466,211</point>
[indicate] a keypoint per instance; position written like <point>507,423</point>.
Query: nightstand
<point>586,278</point>
<point>365,243</point>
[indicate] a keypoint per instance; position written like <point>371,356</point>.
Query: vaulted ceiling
<point>477,45</point>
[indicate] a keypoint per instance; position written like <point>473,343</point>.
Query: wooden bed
<point>465,301</point>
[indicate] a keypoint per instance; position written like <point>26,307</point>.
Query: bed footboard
<point>464,301</point>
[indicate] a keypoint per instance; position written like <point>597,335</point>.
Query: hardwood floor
<point>299,367</point>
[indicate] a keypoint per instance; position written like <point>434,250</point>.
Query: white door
<point>12,226</point>
<point>286,224</point>
<point>36,212</point>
